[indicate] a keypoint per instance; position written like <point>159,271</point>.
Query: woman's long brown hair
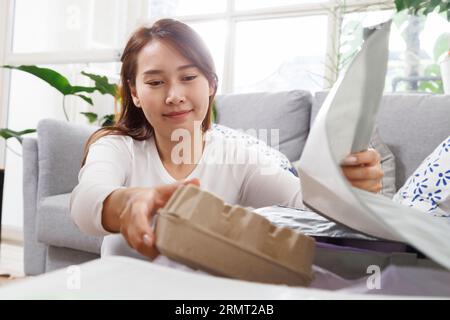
<point>131,120</point>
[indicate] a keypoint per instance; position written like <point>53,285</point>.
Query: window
<point>69,37</point>
<point>416,46</point>
<point>271,45</point>
<point>258,4</point>
<point>65,25</point>
<point>292,56</point>
<point>214,34</point>
<point>158,8</point>
<point>275,59</point>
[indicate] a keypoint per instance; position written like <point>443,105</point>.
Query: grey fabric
<point>412,126</point>
<point>388,162</point>
<point>352,264</point>
<point>55,226</point>
<point>51,165</point>
<point>34,252</point>
<point>58,258</point>
<point>318,100</point>
<point>289,112</point>
<point>60,152</point>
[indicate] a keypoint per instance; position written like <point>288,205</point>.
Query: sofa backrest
<point>411,125</point>
<point>61,143</point>
<point>60,151</point>
<point>289,112</point>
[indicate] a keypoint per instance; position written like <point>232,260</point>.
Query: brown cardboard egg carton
<point>196,228</point>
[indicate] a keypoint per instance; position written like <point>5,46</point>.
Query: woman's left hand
<point>363,170</point>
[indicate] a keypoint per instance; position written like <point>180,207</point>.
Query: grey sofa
<point>410,125</point>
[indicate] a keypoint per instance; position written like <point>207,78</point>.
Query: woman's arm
<point>106,169</point>
<point>113,205</point>
<point>102,204</point>
<point>267,184</point>
<point>130,211</point>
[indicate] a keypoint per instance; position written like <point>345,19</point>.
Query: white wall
<point>4,89</point>
<point>4,10</point>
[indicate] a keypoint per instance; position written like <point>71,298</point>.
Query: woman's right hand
<point>136,217</point>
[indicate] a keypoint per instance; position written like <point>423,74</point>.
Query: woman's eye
<point>154,83</point>
<point>189,78</point>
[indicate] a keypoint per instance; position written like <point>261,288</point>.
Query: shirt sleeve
<point>266,183</point>
<point>106,169</point>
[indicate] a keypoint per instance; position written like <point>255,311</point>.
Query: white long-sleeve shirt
<point>235,172</point>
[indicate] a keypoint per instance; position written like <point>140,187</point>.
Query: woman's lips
<point>177,115</point>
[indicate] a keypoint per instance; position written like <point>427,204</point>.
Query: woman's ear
<point>211,90</point>
<point>134,96</point>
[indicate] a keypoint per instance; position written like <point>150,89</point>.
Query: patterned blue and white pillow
<point>428,188</point>
<point>249,140</point>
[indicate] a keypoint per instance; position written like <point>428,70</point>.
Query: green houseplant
<point>62,84</point>
<point>419,9</point>
<point>410,18</point>
<point>423,7</point>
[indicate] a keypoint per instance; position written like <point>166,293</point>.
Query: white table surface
<point>128,278</point>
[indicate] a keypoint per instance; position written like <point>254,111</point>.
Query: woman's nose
<point>175,96</point>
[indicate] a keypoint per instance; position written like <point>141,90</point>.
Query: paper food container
<point>198,229</point>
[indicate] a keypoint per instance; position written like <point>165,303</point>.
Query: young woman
<point>168,85</point>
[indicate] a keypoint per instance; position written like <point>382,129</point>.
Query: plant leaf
<point>102,84</point>
<point>8,133</point>
<point>91,116</point>
<point>444,6</point>
<point>441,46</point>
<point>87,99</point>
<point>430,86</point>
<point>432,70</point>
<point>76,89</point>
<point>109,120</point>
<point>431,6</point>
<point>433,86</point>
<point>213,112</point>
<point>400,5</point>
<point>53,78</point>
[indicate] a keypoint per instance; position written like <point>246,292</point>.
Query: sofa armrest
<point>60,151</point>
<point>34,252</point>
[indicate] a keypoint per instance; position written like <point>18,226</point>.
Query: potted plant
<point>424,7</point>
<point>62,84</point>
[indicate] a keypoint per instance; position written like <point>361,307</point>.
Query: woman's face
<point>171,91</point>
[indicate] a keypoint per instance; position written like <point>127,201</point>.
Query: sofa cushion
<point>411,125</point>
<point>250,141</point>
<point>428,188</point>
<point>60,148</point>
<point>55,226</point>
<point>288,112</point>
